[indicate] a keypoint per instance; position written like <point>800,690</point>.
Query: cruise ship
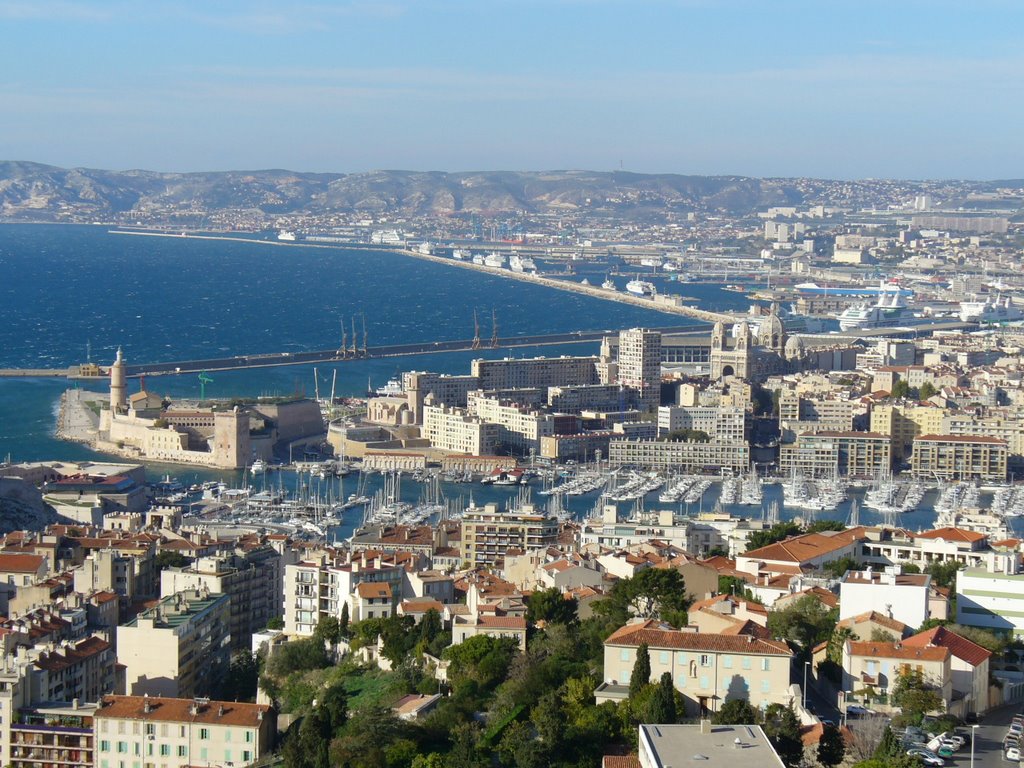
<point>888,312</point>
<point>285,234</point>
<point>494,259</point>
<point>519,263</point>
<point>641,288</point>
<point>988,312</point>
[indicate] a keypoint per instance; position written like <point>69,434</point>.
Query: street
<point>988,745</point>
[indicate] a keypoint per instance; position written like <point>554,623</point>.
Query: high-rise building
<point>640,366</point>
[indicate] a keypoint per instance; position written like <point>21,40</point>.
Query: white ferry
<point>988,312</point>
<point>641,288</point>
<point>494,259</point>
<point>286,234</point>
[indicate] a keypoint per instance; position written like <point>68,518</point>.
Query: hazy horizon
<point>846,91</point>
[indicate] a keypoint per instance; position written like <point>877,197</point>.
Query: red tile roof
<point>898,651</point>
<point>178,710</point>
<point>19,563</point>
<point>657,635</point>
<point>952,534</point>
<point>958,645</point>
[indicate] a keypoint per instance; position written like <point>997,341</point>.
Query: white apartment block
<point>725,423</point>
<point>521,427</point>
<point>898,595</point>
<point>536,372</point>
<point>452,429</point>
<point>992,598</point>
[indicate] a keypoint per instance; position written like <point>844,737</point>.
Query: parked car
<point>1012,754</point>
<point>856,710</point>
<point>926,756</point>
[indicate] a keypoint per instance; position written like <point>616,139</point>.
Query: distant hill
<point>36,192</point>
<point>32,191</point>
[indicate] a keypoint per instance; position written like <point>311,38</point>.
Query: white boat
<point>608,285</point>
<point>426,249</point>
<point>519,263</point>
<point>459,254</point>
<point>889,311</point>
<point>478,259</point>
<point>650,262</point>
<point>494,259</point>
<point>285,234</point>
<point>392,389</point>
<point>988,312</point>
<point>641,288</point>
<point>259,466</point>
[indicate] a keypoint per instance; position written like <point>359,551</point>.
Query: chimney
<point>220,711</point>
<point>705,726</point>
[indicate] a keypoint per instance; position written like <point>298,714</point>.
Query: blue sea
<point>71,291</point>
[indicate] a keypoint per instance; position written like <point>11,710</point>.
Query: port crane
<point>204,379</point>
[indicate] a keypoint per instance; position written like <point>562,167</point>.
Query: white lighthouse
<point>118,392</point>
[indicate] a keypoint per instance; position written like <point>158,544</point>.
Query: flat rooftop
<point>735,746</point>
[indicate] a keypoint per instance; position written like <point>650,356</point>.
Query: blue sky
<point>831,88</point>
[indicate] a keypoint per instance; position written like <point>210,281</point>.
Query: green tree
<point>734,585</point>
<point>900,390</point>
<point>663,703</point>
<point>831,749</point>
<point>550,606</point>
<point>914,695</point>
<point>297,656</point>
<point>169,558</point>
<point>736,712</point>
<point>327,630</point>
<point>687,435</point>
<point>944,574</point>
<point>805,621</point>
<point>481,660</point>
<point>641,675</point>
<point>783,730</point>
<point>654,593</point>
<point>242,678</point>
<point>343,630</point>
<point>836,568</point>
<point>777,532</point>
<point>927,390</point>
<point>826,525</point>
<point>275,622</point>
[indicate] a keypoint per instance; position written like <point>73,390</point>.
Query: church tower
<point>118,390</point>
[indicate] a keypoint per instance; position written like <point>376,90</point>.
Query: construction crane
<point>344,339</point>
<point>494,328</point>
<point>365,354</point>
<point>204,379</point>
<point>476,331</point>
<point>355,339</point>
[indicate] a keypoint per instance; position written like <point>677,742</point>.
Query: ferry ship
<point>285,234</point>
<point>519,263</point>
<point>494,259</point>
<point>888,312</point>
<point>987,312</point>
<point>641,288</point>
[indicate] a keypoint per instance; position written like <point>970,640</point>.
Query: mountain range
<point>36,192</point>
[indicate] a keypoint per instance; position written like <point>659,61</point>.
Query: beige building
<point>152,731</point>
<point>180,647</point>
<point>904,422</point>
<point>453,429</point>
<point>959,457</point>
<point>521,428</point>
<point>823,454</point>
<point>877,666</point>
<point>488,533</point>
<point>708,669</point>
<point>639,366</point>
<point>536,372</point>
<point>681,456</point>
<point>510,627</point>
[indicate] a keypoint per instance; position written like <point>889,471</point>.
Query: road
<point>988,745</point>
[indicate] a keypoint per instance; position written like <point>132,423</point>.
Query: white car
<point>1012,754</point>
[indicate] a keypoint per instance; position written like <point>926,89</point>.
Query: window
<point>663,657</point>
<point>182,751</point>
<point>120,726</point>
<point>624,654</point>
<point>246,756</point>
<point>150,729</point>
<point>204,733</point>
<point>227,755</point>
<point>137,749</point>
<point>746,662</point>
<point>766,686</point>
<point>163,730</point>
<point>680,681</point>
<point>705,660</point>
<point>248,737</point>
<point>181,731</point>
<point>104,746</point>
<point>227,734</point>
<point>203,754</point>
<point>122,747</point>
<point>765,664</point>
<point>704,682</point>
<point>727,662</point>
<point>165,750</point>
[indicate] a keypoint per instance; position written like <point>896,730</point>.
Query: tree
<point>481,660</point>
<point>831,749</point>
<point>327,630</point>
<point>343,621</point>
<point>687,435</point>
<point>826,525</point>
<point>169,558</point>
<point>275,622</point>
<point>297,656</point>
<point>944,574</point>
<point>900,390</point>
<point>736,712</point>
<point>641,675</point>
<point>783,730</point>
<point>836,568</point>
<point>550,606</point>
<point>734,585</point>
<point>663,703</point>
<point>914,695</point>
<point>777,532</point>
<point>879,635</point>
<point>654,593</point>
<point>242,678</point>
<point>805,621</point>
<point>927,390</point>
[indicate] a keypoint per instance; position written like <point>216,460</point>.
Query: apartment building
<point>712,456</point>
<point>152,731</point>
<point>824,454</point>
<point>521,428</point>
<point>639,366</point>
<point>444,389</point>
<point>905,421</point>
<point>900,596</point>
<point>959,457</point>
<point>252,579</point>
<point>49,735</point>
<point>725,423</point>
<point>536,372</point>
<point>179,647</point>
<point>992,598</point>
<point>488,533</point>
<point>453,429</point>
<point>708,669</point>
<point>878,665</point>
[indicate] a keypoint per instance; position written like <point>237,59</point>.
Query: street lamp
<point>974,736</point>
<point>806,665</point>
